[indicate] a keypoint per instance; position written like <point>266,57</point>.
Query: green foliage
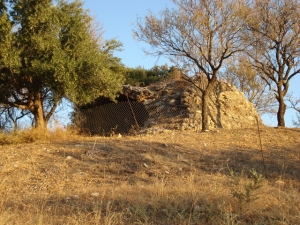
<point>246,194</point>
<point>50,51</point>
<point>143,77</point>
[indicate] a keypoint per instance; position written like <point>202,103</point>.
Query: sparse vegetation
<point>198,36</point>
<point>203,37</point>
<point>174,177</point>
<point>52,50</point>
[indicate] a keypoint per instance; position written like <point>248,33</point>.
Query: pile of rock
<point>228,108</point>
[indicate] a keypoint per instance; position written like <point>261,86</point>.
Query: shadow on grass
<point>131,158</point>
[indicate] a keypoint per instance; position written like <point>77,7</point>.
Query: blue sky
<point>118,18</point>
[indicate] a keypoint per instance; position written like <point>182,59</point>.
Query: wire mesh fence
<point>129,118</point>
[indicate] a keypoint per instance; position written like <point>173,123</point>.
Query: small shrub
<point>247,193</point>
<point>33,135</point>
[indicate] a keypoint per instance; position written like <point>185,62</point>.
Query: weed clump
<point>34,135</point>
<point>247,193</point>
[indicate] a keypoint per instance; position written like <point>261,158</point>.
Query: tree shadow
<point>156,159</point>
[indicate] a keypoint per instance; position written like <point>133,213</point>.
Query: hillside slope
<point>170,177</point>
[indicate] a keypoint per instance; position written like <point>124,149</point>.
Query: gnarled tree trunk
<point>205,98</point>
<point>281,108</point>
<point>36,108</point>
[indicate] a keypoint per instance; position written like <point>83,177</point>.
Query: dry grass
<point>168,178</point>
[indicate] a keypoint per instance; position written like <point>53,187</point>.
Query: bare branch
<point>273,34</point>
<point>198,35</point>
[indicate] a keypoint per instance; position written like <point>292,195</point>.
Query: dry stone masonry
<point>171,104</point>
<point>228,108</point>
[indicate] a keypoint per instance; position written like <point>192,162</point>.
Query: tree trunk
<point>281,112</point>
<point>205,97</point>
<point>282,105</point>
<point>36,108</point>
<point>15,126</point>
<point>39,118</point>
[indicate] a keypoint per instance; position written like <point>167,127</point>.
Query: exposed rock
<point>168,105</point>
<point>69,157</point>
<point>95,194</point>
<point>228,108</point>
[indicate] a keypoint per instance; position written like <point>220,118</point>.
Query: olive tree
<point>50,50</point>
<point>198,36</point>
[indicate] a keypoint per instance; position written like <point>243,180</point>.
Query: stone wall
<point>228,108</point>
<point>171,104</point>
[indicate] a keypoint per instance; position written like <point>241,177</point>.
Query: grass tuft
<point>34,135</point>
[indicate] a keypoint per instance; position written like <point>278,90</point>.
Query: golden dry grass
<point>173,177</point>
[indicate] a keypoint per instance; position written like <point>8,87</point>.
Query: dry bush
<point>34,135</point>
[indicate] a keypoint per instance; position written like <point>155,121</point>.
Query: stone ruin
<point>170,104</point>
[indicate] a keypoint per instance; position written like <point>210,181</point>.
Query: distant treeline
<point>142,77</point>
